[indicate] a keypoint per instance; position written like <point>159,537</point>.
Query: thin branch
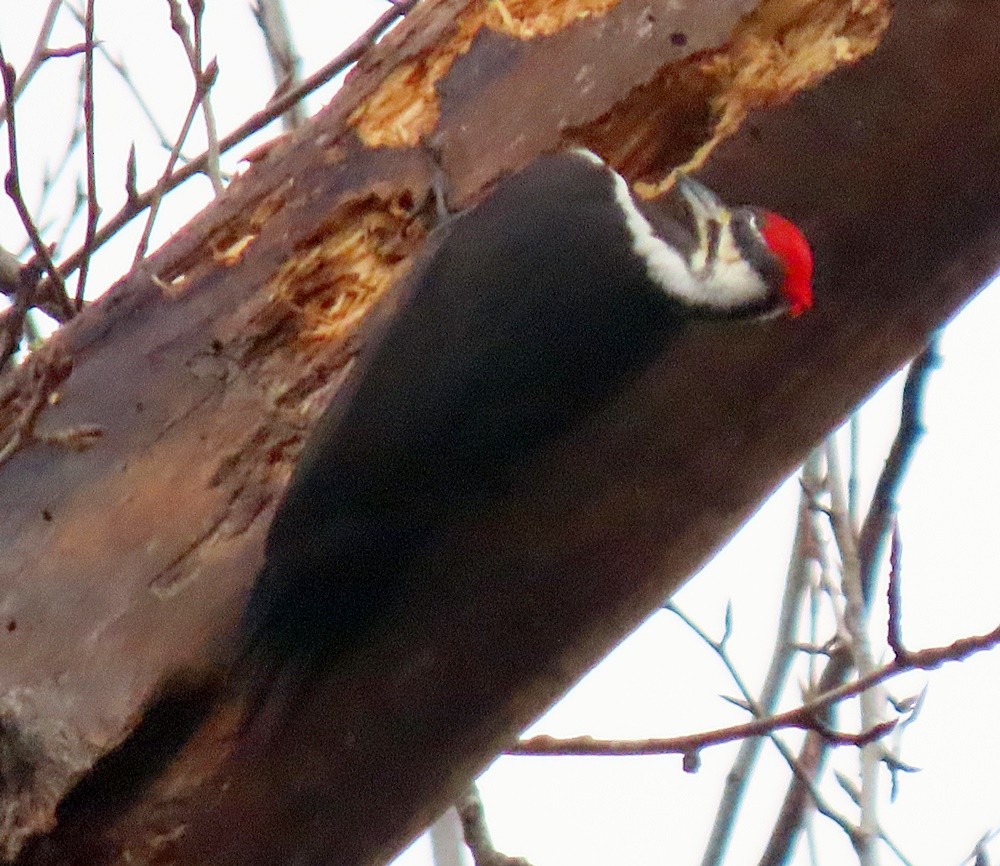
<point>868,546</point>
<point>204,78</point>
<point>873,702</point>
<point>809,767</point>
<point>782,656</point>
<point>285,62</point>
<point>855,794</point>
<point>895,627</point>
<point>447,842</point>
<point>163,185</point>
<point>93,208</point>
<point>477,835</point>
<point>122,71</point>
<point>38,56</point>
<point>808,716</point>
<point>854,476</point>
<point>923,660</point>
<point>68,51</point>
<point>809,722</point>
<point>802,774</point>
<point>719,648</point>
<point>800,719</point>
<point>140,202</point>
<point>813,752</point>
<point>49,370</point>
<point>50,179</point>
<point>12,185</point>
<point>878,522</point>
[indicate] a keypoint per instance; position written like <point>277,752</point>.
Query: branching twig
<point>204,78</point>
<point>782,656</point>
<point>798,719</point>
<point>122,72</point>
<point>719,648</point>
<point>852,791</point>
<point>810,722</point>
<point>141,201</point>
<point>868,545</point>
<point>809,716</point>
<point>164,183</point>
<point>809,766</point>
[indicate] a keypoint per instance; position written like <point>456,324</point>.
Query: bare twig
<point>68,51</point>
<point>852,791</point>
<point>141,201</point>
<point>878,522</point>
<point>161,188</point>
<point>285,62</point>
<point>49,370</point>
<point>873,702</point>
<point>477,836</point>
<point>719,648</point>
<point>204,78</point>
<point>50,178</point>
<point>801,719</point>
<point>39,54</point>
<point>867,545</point>
<point>93,209</point>
<point>782,656</point>
<point>979,855</point>
<point>809,767</point>
<point>810,722</point>
<point>853,478</point>
<point>12,185</point>
<point>895,627</point>
<point>809,716</point>
<point>447,842</point>
<point>122,72</point>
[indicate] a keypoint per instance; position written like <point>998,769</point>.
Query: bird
<point>533,309</point>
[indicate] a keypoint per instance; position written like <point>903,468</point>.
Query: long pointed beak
<point>709,217</point>
<point>702,202</point>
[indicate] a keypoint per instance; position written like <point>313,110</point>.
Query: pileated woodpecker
<point>537,306</point>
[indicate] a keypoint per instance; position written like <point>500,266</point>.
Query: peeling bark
<point>125,565</point>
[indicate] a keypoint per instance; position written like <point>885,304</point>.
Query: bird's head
<point>745,260</point>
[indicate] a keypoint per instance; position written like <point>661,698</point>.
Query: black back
<point>530,313</point>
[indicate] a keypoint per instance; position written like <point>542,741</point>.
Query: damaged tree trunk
<point>125,566</point>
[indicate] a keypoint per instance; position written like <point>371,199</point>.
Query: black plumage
<point>532,311</point>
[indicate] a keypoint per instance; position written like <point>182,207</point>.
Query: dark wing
<point>528,314</point>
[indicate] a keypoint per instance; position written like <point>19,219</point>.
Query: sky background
<point>661,681</point>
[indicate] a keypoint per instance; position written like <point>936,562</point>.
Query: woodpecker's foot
<point>439,187</point>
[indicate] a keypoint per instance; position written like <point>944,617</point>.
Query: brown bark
<point>127,564</point>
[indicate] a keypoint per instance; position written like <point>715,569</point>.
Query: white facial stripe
<point>732,282</point>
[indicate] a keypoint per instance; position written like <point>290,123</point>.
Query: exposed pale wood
<point>205,387</point>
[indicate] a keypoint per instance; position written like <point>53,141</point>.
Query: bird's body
<point>536,307</point>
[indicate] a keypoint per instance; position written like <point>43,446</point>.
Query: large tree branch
<point>205,367</point>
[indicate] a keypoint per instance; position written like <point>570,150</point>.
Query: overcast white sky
<point>662,681</point>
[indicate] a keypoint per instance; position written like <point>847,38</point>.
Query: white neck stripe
<point>731,282</point>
